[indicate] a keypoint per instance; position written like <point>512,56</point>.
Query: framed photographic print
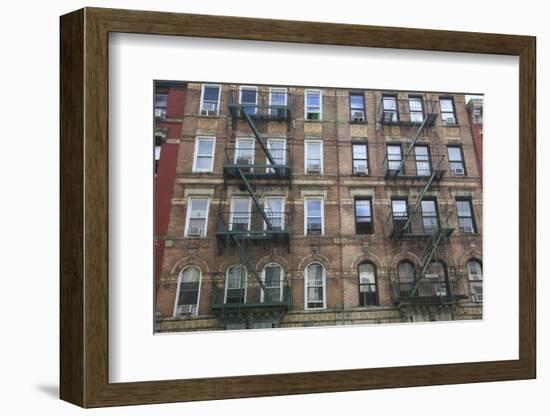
<point>253,207</point>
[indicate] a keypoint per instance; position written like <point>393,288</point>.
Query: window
<point>399,214</point>
<point>393,153</point>
<point>158,147</point>
<point>197,215</point>
<point>465,217</point>
<point>249,95</point>
<point>278,98</point>
<point>187,293</point>
<point>436,278</point>
<point>314,157</point>
<point>475,278</point>
<point>422,159</point>
<point>240,214</point>
<point>416,109</point>
<point>314,224</point>
<point>210,100</point>
<point>357,107</point>
<point>367,285</point>
<point>360,156</point>
<point>477,115</point>
<point>315,286</point>
<point>275,211</point>
<point>363,216</point>
<point>314,106</point>
<point>235,285</point>
<point>244,153</point>
<point>389,107</point>
<point>272,277</point>
<point>204,154</point>
<point>161,102</point>
<point>277,149</point>
<point>405,274</point>
<point>429,216</point>
<point>456,161</point>
<point>447,107</point>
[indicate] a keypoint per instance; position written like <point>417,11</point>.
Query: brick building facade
<point>298,207</point>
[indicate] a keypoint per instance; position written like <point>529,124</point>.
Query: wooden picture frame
<point>84,207</point>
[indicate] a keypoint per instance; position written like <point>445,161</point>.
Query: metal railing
<point>427,289</point>
<point>251,223</point>
<point>410,111</point>
<point>415,166</point>
<point>250,294</point>
<point>254,160</point>
<point>415,223</point>
<point>262,104</point>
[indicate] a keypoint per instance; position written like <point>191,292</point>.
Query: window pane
<point>248,96</point>
<point>211,93</point>
<point>362,208</point>
<point>205,147</point>
<point>314,150</point>
<point>313,208</point>
<point>454,153</point>
<point>399,207</point>
<point>415,104</point>
<point>366,274</point>
<point>463,208</point>
<point>191,274</point>
<point>161,100</point>
<point>390,103</point>
<point>313,99</point>
<point>405,272</point>
<point>356,102</point>
<point>446,105</point>
<point>359,151</point>
<point>272,275</point>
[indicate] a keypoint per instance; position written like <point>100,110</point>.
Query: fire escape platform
<point>256,171</point>
<point>395,175</point>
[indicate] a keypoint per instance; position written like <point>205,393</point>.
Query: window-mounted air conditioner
<point>478,297</point>
<point>358,116</point>
<point>458,172</point>
<point>361,169</point>
<point>208,109</point>
<point>314,168</point>
<point>186,309</point>
<point>449,121</point>
<point>313,116</point>
<point>194,232</point>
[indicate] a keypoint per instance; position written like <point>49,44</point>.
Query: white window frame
<point>324,286</point>
<point>242,139</point>
<point>248,87</point>
<point>306,156</point>
<point>227,281</point>
<point>180,278</point>
<point>232,211</point>
<point>310,198</point>
<point>195,159</point>
<point>320,104</point>
<point>219,97</point>
<point>262,296</point>
<point>474,281</point>
<point>278,89</point>
<point>188,215</point>
<point>282,212</point>
<point>269,141</point>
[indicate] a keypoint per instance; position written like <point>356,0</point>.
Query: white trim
<point>320,104</point>
<point>320,198</point>
<point>282,212</point>
<point>188,215</point>
<point>248,87</point>
<point>180,276</point>
<point>205,138</point>
<point>281,279</point>
<point>253,148</point>
<point>306,142</point>
<point>219,97</point>
<point>232,211</point>
<point>277,89</point>
<point>306,276</point>
<point>271,140</point>
<point>226,281</point>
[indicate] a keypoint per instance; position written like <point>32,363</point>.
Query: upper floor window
<point>430,222</point>
<point>406,277</point>
<point>447,107</point>
<point>187,293</point>
<point>436,278</point>
<point>241,214</point>
<point>360,153</point>
<point>363,216</point>
<point>400,214</point>
<point>197,215</point>
<point>475,278</point>
<point>161,102</point>
<point>422,160</point>
<point>235,285</point>
<point>204,154</point>
<point>314,157</point>
<point>314,222</point>
<point>272,276</point>
<point>275,212</point>
<point>314,106</point>
<point>456,161</point>
<point>416,109</point>
<point>367,285</point>
<point>315,287</point>
<point>389,106</point>
<point>357,107</point>
<point>210,99</point>
<point>277,150</point>
<point>477,115</point>
<point>278,100</point>
<point>394,156</point>
<point>465,216</point>
<point>248,97</point>
<point>244,154</point>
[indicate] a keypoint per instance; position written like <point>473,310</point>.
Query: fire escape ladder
<point>421,127</point>
<point>414,209</point>
<point>255,199</point>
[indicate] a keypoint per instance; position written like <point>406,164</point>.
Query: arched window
<point>235,284</point>
<point>368,294</point>
<point>315,293</point>
<point>436,279</point>
<point>405,273</point>
<point>272,276</point>
<point>475,277</point>
<point>187,293</point>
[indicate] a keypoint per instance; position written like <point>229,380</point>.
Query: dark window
<point>456,161</point>
<point>429,216</point>
<point>357,107</point>
<point>447,107</point>
<point>394,156</point>
<point>360,156</point>
<point>210,98</point>
<point>367,285</point>
<point>249,95</point>
<point>161,102</point>
<point>416,109</point>
<point>363,216</point>
<point>399,214</point>
<point>405,274</point>
<point>389,107</point>
<point>465,216</point>
<point>422,159</point>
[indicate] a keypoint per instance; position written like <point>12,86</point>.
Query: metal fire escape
<point>421,220</point>
<point>258,224</point>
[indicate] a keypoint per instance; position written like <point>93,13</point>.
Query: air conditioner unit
<point>186,309</point>
<point>313,116</point>
<point>449,121</point>
<point>432,275</point>
<point>195,232</point>
<point>467,230</point>
<point>458,172</point>
<point>358,116</point>
<point>314,229</point>
<point>361,169</point>
<point>244,161</point>
<point>160,112</point>
<point>209,109</point>
<point>478,297</point>
<point>315,168</point>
